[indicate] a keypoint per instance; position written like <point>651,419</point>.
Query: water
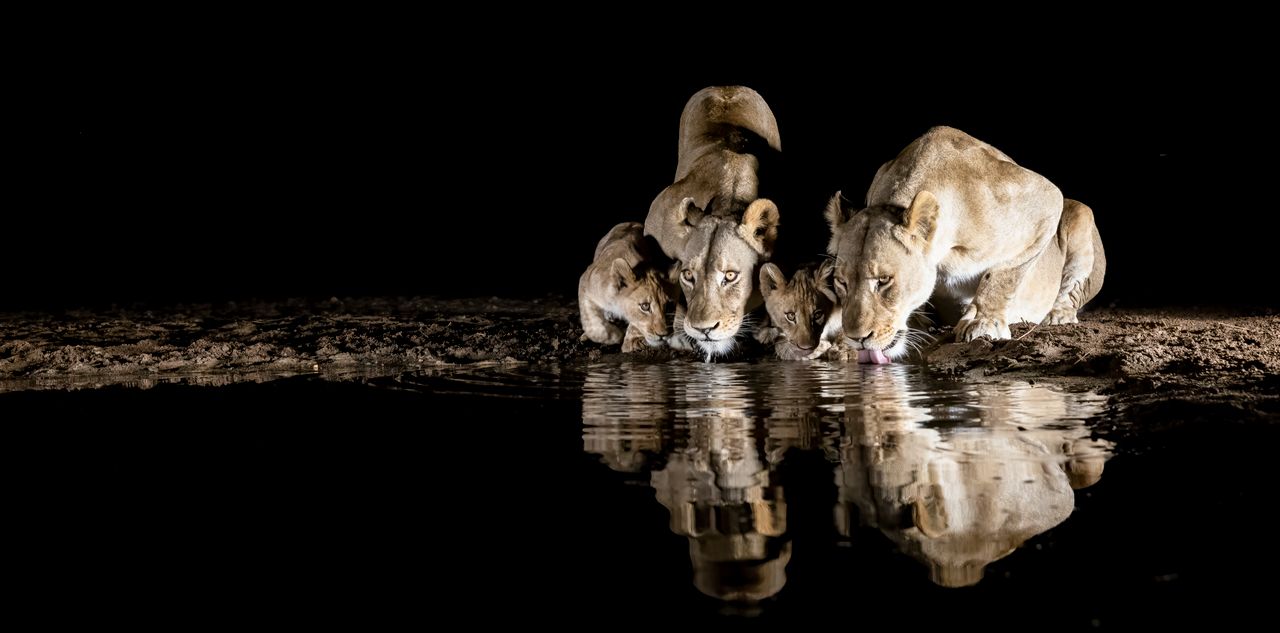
<point>621,493</point>
<point>957,476</point>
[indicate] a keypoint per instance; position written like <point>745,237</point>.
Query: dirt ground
<point>1197,362</point>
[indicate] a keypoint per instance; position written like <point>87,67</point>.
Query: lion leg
<point>595,327</point>
<point>821,350</point>
<point>678,340</point>
<point>1077,234</point>
<point>766,334</point>
<point>634,340</point>
<point>986,315</point>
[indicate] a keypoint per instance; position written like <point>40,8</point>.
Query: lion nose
<point>862,340</point>
<point>706,331</point>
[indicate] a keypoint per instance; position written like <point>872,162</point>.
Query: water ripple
<point>957,475</point>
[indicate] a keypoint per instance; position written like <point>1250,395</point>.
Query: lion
<point>798,309</point>
<point>625,281</point>
<point>711,219</point>
<point>957,220</point>
<point>820,335</point>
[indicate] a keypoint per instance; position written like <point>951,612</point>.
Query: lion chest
<point>959,272</point>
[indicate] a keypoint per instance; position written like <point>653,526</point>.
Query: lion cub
<point>624,282</point>
<point>800,311</point>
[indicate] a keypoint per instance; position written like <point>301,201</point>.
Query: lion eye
<point>884,282</point>
<point>817,317</point>
<point>791,316</point>
<point>840,284</point>
<point>687,275</point>
<point>644,307</point>
<point>731,275</point>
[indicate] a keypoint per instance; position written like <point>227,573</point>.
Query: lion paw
<point>680,342</point>
<point>786,351</point>
<point>767,335</point>
<point>1061,316</point>
<point>970,329</point>
<point>822,348</point>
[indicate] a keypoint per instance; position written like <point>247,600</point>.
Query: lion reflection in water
<point>956,483</point>
<point>722,493</point>
<point>959,497</point>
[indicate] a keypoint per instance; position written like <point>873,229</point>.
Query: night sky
<point>383,169</point>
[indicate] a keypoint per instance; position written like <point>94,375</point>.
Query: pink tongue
<point>873,357</point>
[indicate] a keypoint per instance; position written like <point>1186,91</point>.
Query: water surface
<point>618,493</point>
<point>956,475</point>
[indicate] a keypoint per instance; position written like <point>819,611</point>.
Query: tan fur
<point>625,281</point>
<point>1069,273</point>
<point>624,408</point>
<point>743,552</point>
<point>956,219</point>
<point>798,309</point>
<point>710,219</point>
<point>958,500</point>
<point>711,475</point>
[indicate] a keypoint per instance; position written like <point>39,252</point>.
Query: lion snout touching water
<point>712,220</point>
<point>800,310</point>
<point>625,281</point>
<point>955,221</point>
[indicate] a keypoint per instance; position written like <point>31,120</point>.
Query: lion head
<point>642,295</point>
<point>798,308</point>
<point>717,258</point>
<point>883,272</point>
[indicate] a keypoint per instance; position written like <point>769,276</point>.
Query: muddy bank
<point>1200,362</point>
<point>1188,365</point>
<point>221,344</point>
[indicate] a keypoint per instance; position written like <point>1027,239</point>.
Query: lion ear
<point>673,273</point>
<point>760,226</point>
<point>836,212</point>
<point>826,271</point>
<point>623,276</point>
<point>921,218</point>
<point>771,280</point>
<point>672,280</point>
<point>690,214</point>
<point>671,224</point>
<point>930,516</point>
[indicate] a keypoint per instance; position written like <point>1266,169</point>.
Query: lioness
<point>954,218</point>
<point>624,282</point>
<point>711,219</point>
<point>799,310</point>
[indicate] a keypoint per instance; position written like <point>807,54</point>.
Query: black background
<point>383,165</point>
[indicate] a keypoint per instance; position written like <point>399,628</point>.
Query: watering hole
<point>624,491</point>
